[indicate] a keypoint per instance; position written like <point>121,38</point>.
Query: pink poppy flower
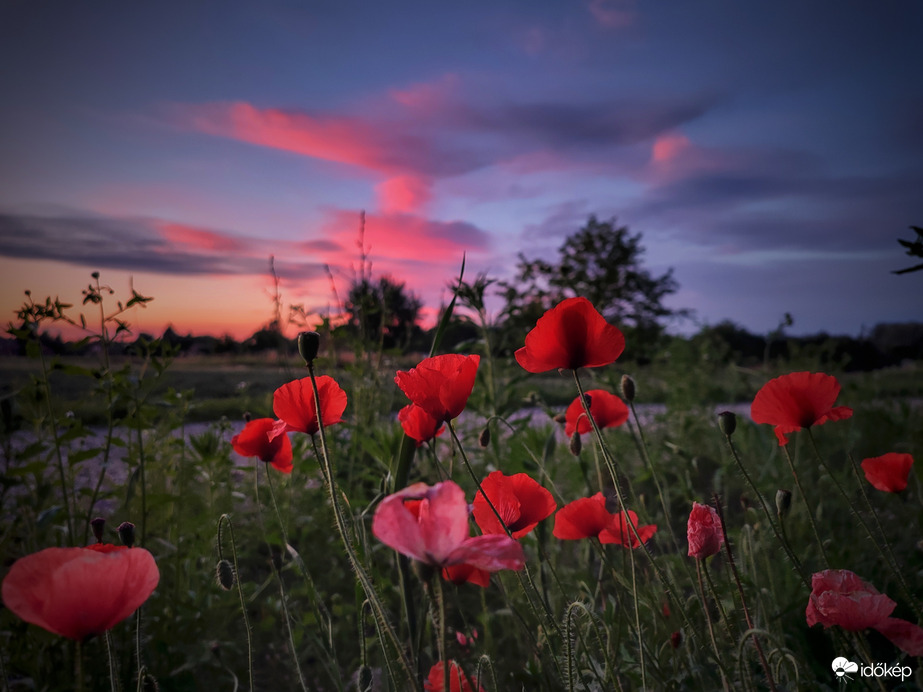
<point>888,472</point>
<point>430,524</point>
<point>798,400</point>
<point>704,532</point>
<point>80,592</point>
<point>840,597</point>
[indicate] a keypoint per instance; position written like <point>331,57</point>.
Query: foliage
<point>602,262</point>
<point>588,616</point>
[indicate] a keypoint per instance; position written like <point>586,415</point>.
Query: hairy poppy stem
<point>804,497</point>
<point>113,670</point>
<point>275,571</point>
<point>743,600</point>
<point>226,519</point>
<point>884,547</point>
<point>711,629</point>
<point>759,496</point>
<point>383,625</point>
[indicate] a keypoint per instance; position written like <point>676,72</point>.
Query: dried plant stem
<point>113,669</point>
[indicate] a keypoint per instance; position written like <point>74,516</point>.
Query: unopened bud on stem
<point>628,388</point>
<point>308,345</point>
<point>127,533</point>
<point>98,524</point>
<point>575,444</point>
<point>783,502</point>
<point>727,421</point>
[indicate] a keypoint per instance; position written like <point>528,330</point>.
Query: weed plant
<point>275,580</point>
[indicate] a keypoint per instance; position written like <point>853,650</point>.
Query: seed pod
<point>484,438</point>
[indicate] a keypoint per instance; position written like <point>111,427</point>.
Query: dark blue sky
<point>770,153</point>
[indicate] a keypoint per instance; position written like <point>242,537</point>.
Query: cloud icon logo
<point>842,666</point>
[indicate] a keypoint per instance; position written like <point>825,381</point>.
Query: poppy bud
<point>783,502</point>
<point>727,421</point>
<point>127,533</point>
<point>95,275</point>
<point>224,573</point>
<point>575,444</point>
<point>247,416</point>
<point>484,437</point>
<point>676,639</point>
<point>308,345</point>
<point>560,418</point>
<point>98,524</point>
<point>628,388</point>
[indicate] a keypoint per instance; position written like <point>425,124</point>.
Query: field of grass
<point>581,616</point>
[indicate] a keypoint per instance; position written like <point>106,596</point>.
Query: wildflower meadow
<point>473,520</point>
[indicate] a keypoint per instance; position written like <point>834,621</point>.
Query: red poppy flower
<point>703,530</point>
<point>571,335</point>
<point>418,424</point>
<point>582,518</point>
<point>293,403</point>
<point>798,400</point>
<point>619,532</point>
<point>520,501</point>
<point>254,441</point>
<point>440,385</point>
<point>589,517</point>
<point>466,574</point>
<point>430,524</point>
<point>840,597</point>
<point>458,681</point>
<point>608,411</point>
<point>888,472</point>
<point>80,592</point>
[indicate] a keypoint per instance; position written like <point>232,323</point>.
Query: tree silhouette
<point>382,312</point>
<point>914,249</point>
<point>604,263</point>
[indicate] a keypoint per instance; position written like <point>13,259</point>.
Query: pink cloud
<point>332,138</point>
<point>199,238</point>
<point>668,147</point>
<point>403,194</point>
<point>612,14</point>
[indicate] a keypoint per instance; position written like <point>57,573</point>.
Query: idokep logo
<point>842,667</point>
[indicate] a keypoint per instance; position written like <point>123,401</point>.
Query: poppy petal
<point>490,552</point>
<point>904,635</point>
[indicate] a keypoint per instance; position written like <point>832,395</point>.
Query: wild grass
<point>86,437</point>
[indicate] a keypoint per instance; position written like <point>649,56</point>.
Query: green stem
<point>813,522</point>
<point>781,538</point>
<point>243,603</point>
<point>381,618</point>
<point>743,600</point>
<point>711,629</point>
<point>113,671</point>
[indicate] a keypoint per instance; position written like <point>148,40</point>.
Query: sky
<point>769,153</point>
